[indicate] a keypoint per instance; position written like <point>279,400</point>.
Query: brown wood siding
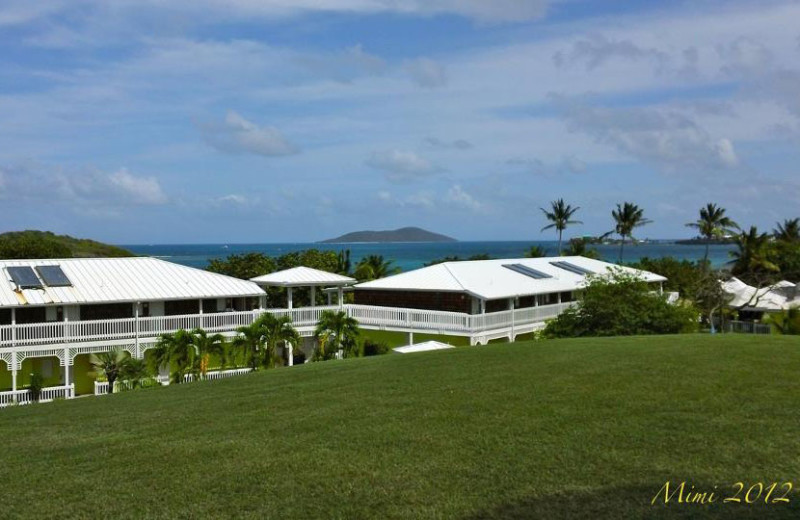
<point>428,300</point>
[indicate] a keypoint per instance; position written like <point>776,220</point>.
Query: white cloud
<point>343,66</point>
<point>426,72</point>
<point>457,197</point>
<point>237,135</point>
<point>663,137</point>
<point>457,144</point>
<point>568,164</point>
<point>138,190</point>
<point>598,49</point>
<point>402,165</point>
<point>81,188</point>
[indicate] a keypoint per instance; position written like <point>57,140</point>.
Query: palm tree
<point>560,216</point>
<point>112,364</point>
<point>712,224</point>
<point>206,346</point>
<point>535,252</point>
<point>343,262</point>
<point>134,373</point>
<point>627,216</point>
<point>373,267</point>
<point>752,256</point>
<point>249,340</point>
<point>788,231</point>
<point>336,332</point>
<point>276,330</point>
<point>177,352</point>
<point>786,321</point>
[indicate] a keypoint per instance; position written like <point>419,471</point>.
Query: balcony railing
<point>368,316</point>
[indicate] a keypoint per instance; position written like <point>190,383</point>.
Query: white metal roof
<point>489,280</point>
<point>781,295</point>
<point>425,346</point>
<point>302,276</point>
<point>107,280</point>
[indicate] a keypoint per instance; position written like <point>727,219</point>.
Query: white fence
<point>748,327</point>
<point>101,387</point>
<point>47,394</point>
<point>307,317</point>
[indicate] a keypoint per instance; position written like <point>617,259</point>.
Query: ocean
<point>408,256</point>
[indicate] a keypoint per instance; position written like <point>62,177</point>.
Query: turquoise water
<point>409,256</point>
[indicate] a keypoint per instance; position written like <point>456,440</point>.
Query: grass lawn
<point>559,429</point>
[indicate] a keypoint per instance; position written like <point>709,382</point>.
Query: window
<point>59,313</point>
<point>145,310</point>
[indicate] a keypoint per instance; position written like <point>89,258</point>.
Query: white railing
<point>46,395</point>
<point>368,316</point>
<point>748,327</point>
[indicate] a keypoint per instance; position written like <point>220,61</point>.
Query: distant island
<point>699,241</point>
<point>406,234</point>
<point>16,245</point>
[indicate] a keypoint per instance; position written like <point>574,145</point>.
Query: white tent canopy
<point>775,297</point>
<point>304,277</point>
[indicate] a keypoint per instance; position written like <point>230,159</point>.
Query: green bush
<point>621,304</point>
<point>375,348</point>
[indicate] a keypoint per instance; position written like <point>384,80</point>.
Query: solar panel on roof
<point>572,268</point>
<point>24,277</point>
<point>53,276</point>
<point>527,271</point>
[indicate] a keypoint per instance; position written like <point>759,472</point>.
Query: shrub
<point>621,304</point>
<point>375,348</point>
<point>36,385</point>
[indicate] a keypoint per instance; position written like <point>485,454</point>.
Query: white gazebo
<point>305,277</point>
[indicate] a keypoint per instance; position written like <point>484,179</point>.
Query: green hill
<point>44,244</point>
<point>406,234</point>
<point>588,428</point>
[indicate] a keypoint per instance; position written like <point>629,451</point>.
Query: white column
<point>483,306</point>
<point>289,296</point>
<point>291,353</point>
<point>559,297</point>
<point>340,293</point>
<point>313,296</point>
<point>410,338</point>
<point>329,298</point>
<point>199,306</point>
<point>66,372</point>
<point>136,324</point>
<point>511,304</point>
<point>14,354</point>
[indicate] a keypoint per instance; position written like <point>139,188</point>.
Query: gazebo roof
<point>302,277</point>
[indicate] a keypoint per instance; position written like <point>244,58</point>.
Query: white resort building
<point>55,313</point>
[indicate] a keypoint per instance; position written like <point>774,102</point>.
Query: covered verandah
<point>305,277</point>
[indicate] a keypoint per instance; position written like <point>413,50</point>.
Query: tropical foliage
<point>713,224</point>
<point>535,252</point>
<point>627,217</point>
<point>456,258</point>
<point>621,304</point>
<point>110,364</point>
<point>373,267</point>
<point>560,216</point>
<point>786,321</point>
<point>753,258</point>
<point>580,247</point>
<point>44,244</point>
<point>177,353</point>
<point>337,335</point>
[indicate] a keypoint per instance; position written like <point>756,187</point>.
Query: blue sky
<point>296,120</point>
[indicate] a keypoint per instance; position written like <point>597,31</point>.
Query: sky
<point>250,121</point>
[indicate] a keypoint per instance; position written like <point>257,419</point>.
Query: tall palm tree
<point>336,332</point>
<point>373,267</point>
<point>788,231</point>
<point>276,330</point>
<point>249,341</point>
<point>560,216</point>
<point>627,217</point>
<point>111,364</point>
<point>712,224</point>
<point>176,352</point>
<point>752,255</point>
<point>206,346</point>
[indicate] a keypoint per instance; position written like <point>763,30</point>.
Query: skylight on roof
<point>572,268</point>
<point>24,277</point>
<point>527,271</point>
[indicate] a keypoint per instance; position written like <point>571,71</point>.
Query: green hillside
<point>588,428</point>
<point>44,244</point>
